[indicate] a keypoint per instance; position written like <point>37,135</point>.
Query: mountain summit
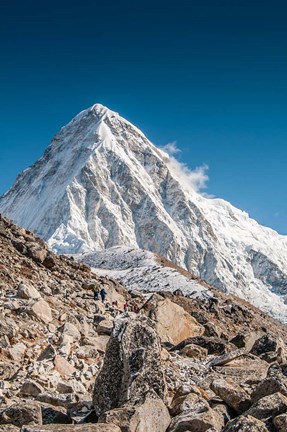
<point>102,183</point>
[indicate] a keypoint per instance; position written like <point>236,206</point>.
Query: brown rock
<point>42,311</point>
<point>196,351</point>
<point>62,366</point>
<point>17,351</point>
<point>173,323</point>
<point>232,394</point>
<point>31,388</point>
<point>280,423</point>
<point>105,327</point>
<point>27,292</point>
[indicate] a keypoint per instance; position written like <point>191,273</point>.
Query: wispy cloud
<point>171,148</point>
<point>195,179</point>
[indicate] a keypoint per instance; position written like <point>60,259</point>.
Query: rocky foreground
<point>69,363</point>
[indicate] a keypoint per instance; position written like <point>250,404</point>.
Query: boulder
<point>232,394</point>
<point>37,253</point>
<point>150,416</point>
<point>267,387</point>
<point>105,327</point>
<point>88,427</point>
<point>17,351</point>
<point>196,351</point>
<point>194,421</point>
<point>213,345</point>
<point>264,344</point>
<point>52,414</point>
<point>42,311</point>
<point>31,388</point>
<point>48,353</point>
<point>62,366</point>
<point>98,342</point>
<point>269,406</point>
<point>132,365</point>
<point>280,423</point>
<point>186,402</point>
<point>21,413</point>
<point>71,330</point>
<point>27,292</point>
<point>245,424</point>
<point>173,323</point>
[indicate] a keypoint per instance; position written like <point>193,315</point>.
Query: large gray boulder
<point>132,366</point>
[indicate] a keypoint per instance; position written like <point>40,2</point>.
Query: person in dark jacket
<point>103,295</point>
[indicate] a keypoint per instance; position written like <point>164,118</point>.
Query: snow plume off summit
<point>102,183</point>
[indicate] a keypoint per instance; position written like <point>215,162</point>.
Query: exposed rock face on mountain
<point>230,376</point>
<point>101,183</point>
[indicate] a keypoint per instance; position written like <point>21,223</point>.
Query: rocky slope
<point>101,183</point>
<point>212,363</point>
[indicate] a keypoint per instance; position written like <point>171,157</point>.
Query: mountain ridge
<point>102,183</point>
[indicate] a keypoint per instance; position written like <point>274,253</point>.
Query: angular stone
<point>269,406</point>
<point>194,421</point>
<point>21,413</point>
<point>27,292</point>
<point>105,327</point>
<point>232,394</point>
<point>267,387</point>
<point>189,402</point>
<point>57,415</point>
<point>17,351</point>
<point>264,344</point>
<point>49,353</point>
<point>37,253</point>
<point>62,366</point>
<point>245,424</point>
<point>280,423</point>
<point>173,323</point>
<point>151,416</point>
<point>213,345</point>
<point>196,351</point>
<point>31,388</point>
<point>71,330</point>
<point>88,427</point>
<point>42,311</point>
<point>132,365</point>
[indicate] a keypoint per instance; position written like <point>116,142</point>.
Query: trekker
<point>103,295</point>
<point>96,291</point>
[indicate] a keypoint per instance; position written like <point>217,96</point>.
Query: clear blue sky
<point>210,74</point>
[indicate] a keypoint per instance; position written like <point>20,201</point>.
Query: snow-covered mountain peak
<point>102,183</point>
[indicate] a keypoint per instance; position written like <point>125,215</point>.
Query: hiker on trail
<point>126,307</point>
<point>103,295</point>
<point>96,291</point>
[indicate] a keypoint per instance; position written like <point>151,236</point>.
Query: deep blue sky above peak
<point>208,74</point>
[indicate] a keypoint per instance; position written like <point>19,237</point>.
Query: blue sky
<point>210,75</point>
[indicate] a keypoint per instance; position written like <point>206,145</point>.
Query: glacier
<point>101,183</point>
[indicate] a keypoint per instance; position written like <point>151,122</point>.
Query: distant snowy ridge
<point>139,270</point>
<point>102,183</point>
